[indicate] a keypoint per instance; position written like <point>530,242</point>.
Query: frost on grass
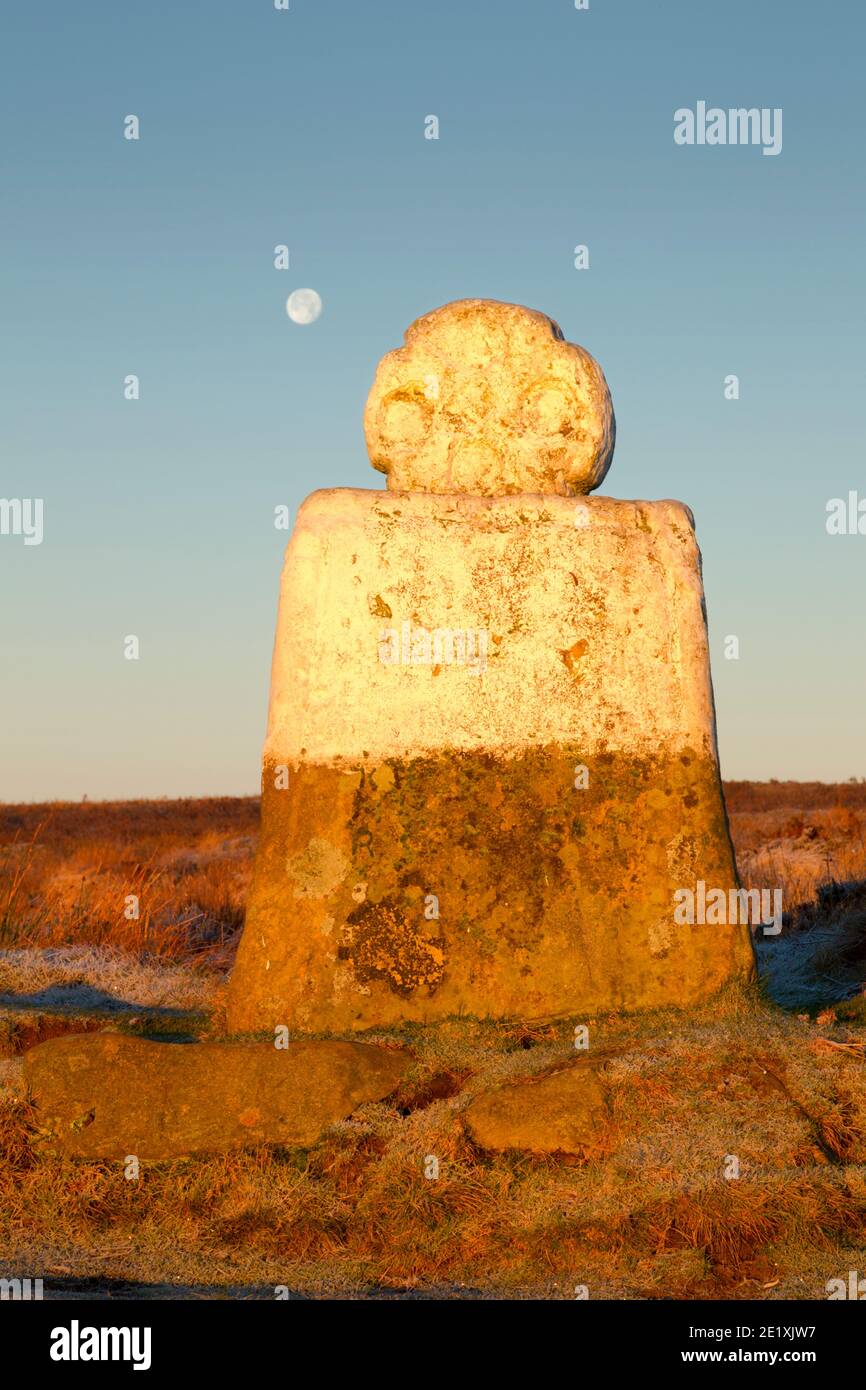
<point>820,957</point>
<point>88,977</point>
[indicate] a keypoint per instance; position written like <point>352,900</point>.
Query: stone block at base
<point>563,1112</point>
<point>109,1096</point>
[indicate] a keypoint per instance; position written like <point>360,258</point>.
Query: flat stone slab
<point>563,1112</point>
<point>109,1096</point>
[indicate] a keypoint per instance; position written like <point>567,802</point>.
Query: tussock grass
<point>650,1214</point>
<point>68,870</point>
<point>654,1217</point>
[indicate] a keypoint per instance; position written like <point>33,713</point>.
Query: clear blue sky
<point>556,127</point>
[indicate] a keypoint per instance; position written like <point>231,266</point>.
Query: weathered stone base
<point>109,1096</point>
<point>428,846</point>
<point>551,899</point>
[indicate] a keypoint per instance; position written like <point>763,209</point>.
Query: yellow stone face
<point>489,398</point>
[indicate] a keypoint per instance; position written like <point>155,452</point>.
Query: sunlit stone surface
<point>489,398</point>
<point>491,754</point>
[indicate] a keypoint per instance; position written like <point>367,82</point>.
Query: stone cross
<point>491,756</point>
<point>489,399</point>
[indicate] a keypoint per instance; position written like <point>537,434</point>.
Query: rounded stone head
<point>489,398</point>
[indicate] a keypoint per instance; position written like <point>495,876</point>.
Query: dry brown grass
<point>788,797</point>
<point>798,836</point>
<point>649,1215</point>
<point>654,1217</point>
<point>67,870</point>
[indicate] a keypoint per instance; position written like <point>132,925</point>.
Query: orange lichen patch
<point>378,607</point>
<point>383,944</point>
<point>572,655</point>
